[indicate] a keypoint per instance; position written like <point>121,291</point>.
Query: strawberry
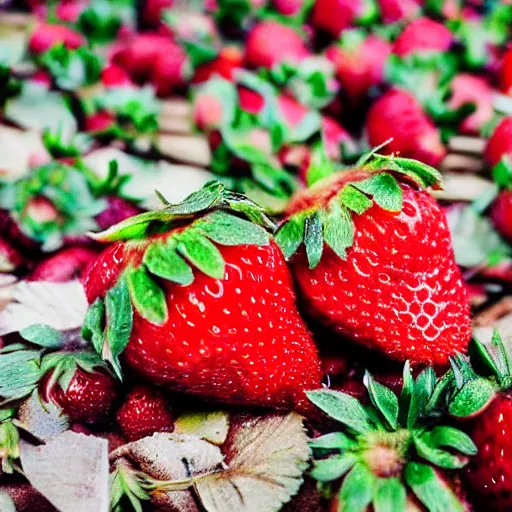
<point>115,76</point>
<point>398,115</point>
<point>117,210</point>
<point>265,37</point>
<point>195,324</point>
<point>152,11</point>
<point>42,77</point>
<point>45,36</point>
<point>229,59</point>
<point>506,73</point>
<point>75,382</point>
<point>334,16</point>
<point>171,70</point>
<point>423,35</point>
<point>500,142</point>
<point>359,61</point>
<point>391,453</point>
<point>482,399</point>
<point>99,121</point>
<point>144,412</point>
<point>501,213</point>
<point>379,271</point>
<point>10,258</point>
<point>69,263</point>
<point>474,90</point>
<point>288,7</point>
<point>398,10</point>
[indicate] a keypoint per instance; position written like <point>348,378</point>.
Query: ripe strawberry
<point>266,37</point>
<point>152,11</point>
<point>423,35</point>
<point>482,394</point>
<point>506,73</point>
<point>390,454</point>
<point>67,264</point>
<point>398,115</point>
<point>117,210</point>
<point>501,213</point>
<point>42,77</point>
<point>45,36</point>
<point>99,121</point>
<point>171,70</point>
<point>205,331</point>
<point>144,412</point>
<point>398,10</point>
<point>500,142</point>
<point>359,62</point>
<point>115,76</point>
<point>76,383</point>
<point>467,88</point>
<point>334,16</point>
<point>288,7</point>
<point>230,58</point>
<point>385,276</point>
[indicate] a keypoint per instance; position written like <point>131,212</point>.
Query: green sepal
<point>502,172</point>
<point>423,389</point>
<point>390,495</point>
<point>437,456</point>
<point>42,335</point>
<point>147,297</point>
<point>435,495</point>
<point>202,253</point>
<point>384,189</point>
<point>332,441</point>
<point>474,397</point>
<point>162,260</point>
<point>357,490</point>
<point>453,438</point>
<point>20,371</point>
<point>313,238</point>
<point>327,470</point>
<point>354,200</point>
<point>339,229</point>
<point>9,445</point>
<point>100,21</point>
<point>290,235</point>
<point>126,484</point>
<point>384,400</point>
<point>343,408</point>
<point>93,329</point>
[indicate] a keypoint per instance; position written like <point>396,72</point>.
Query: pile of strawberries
<point>319,278</point>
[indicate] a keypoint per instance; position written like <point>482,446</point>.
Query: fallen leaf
<point>58,305</point>
<point>71,471</point>
<point>44,420</point>
<point>266,457</point>
<point>211,426</point>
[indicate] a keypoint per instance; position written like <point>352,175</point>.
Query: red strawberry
<point>423,35</point>
<point>118,209</point>
<point>115,76</point>
<point>88,397</point>
<point>208,111</point>
<point>42,77</point>
<point>501,213</point>
<point>99,121</point>
<point>45,36</point>
<point>152,11</point>
<point>500,142</point>
<point>230,58</point>
<point>69,263</point>
<point>144,412</point>
<point>171,70</point>
<point>231,331</point>
<point>398,115</point>
<point>288,7</point>
<point>506,73</point>
<point>489,475</point>
<point>474,90</point>
<point>359,62</point>
<point>398,10</point>
<point>268,36</point>
<point>334,16</point>
<point>385,276</point>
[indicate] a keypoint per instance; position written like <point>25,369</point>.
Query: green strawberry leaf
<point>357,489</point>
<point>226,229</point>
<point>93,329</point>
<point>42,335</point>
<point>147,297</point>
<point>327,470</point>
<point>430,489</point>
<point>450,437</point>
<point>332,441</point>
<point>385,190</point>
<point>290,235</point>
<point>436,456</point>
<point>162,260</point>
<point>338,229</point>
<point>390,495</point>
<point>474,396</point>
<point>202,253</point>
<point>119,313</point>
<point>20,371</point>
<point>383,399</point>
<point>313,239</point>
<point>343,408</point>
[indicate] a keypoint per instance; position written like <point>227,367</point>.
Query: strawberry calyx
<point>170,244</point>
<point>100,22</point>
<point>477,380</point>
<point>390,447</point>
<point>502,173</point>
<point>52,202</point>
<point>374,181</point>
<point>9,441</point>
